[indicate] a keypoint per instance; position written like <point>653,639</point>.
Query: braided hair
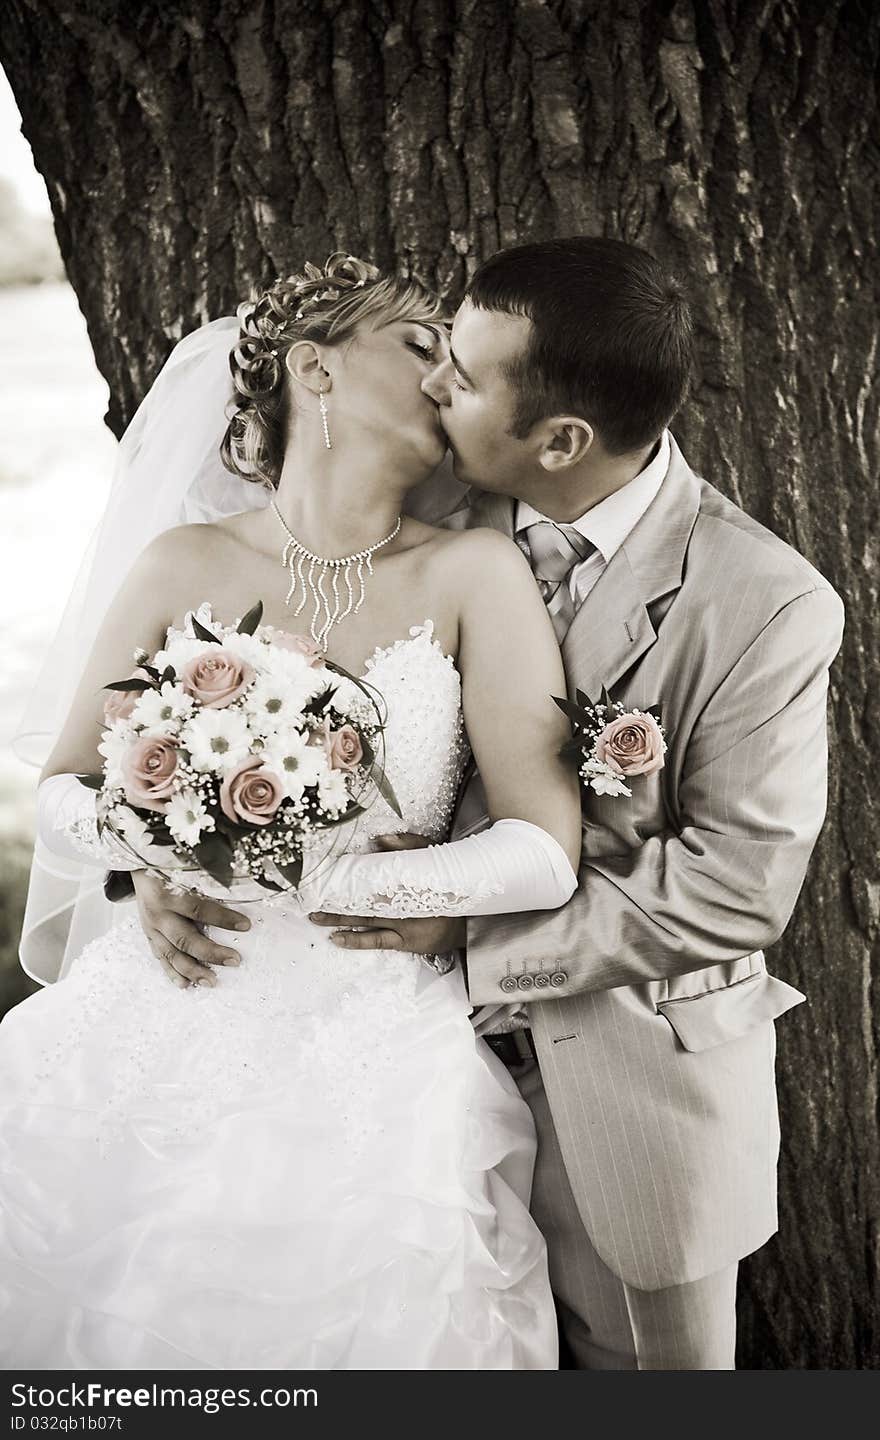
<point>325,305</point>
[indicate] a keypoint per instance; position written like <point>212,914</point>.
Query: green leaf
<point>369,755</point>
<point>383,784</point>
<point>168,675</point>
<point>319,703</point>
<point>151,671</point>
<point>249,622</point>
<point>203,633</point>
<point>229,827</point>
<point>584,699</point>
<point>91,782</point>
<point>574,712</point>
<point>214,854</point>
<point>572,750</point>
<point>135,684</point>
<point>292,872</point>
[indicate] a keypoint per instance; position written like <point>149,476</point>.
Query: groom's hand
<point>417,937</point>
<point>171,924</point>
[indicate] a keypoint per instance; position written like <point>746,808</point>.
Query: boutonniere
<point>613,744</point>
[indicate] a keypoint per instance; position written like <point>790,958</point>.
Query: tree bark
<point>194,150</point>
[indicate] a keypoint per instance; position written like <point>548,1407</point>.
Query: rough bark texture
<point>191,150</point>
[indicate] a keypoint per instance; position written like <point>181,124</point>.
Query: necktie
<point>553,551</point>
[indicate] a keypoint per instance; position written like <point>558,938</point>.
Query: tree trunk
<point>192,150</point>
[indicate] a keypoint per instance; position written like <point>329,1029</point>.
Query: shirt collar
<point>610,522</point>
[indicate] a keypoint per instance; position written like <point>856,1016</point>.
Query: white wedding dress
<point>312,1165</point>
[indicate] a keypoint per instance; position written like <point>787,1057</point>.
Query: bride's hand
<point>417,937</point>
<point>171,924</point>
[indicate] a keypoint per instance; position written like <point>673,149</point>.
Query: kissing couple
<point>505,1065</point>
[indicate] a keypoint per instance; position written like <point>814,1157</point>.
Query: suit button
<point>524,982</point>
<point>508,984</point>
<point>542,981</point>
<point>558,978</point>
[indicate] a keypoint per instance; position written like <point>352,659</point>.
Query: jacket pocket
<point>716,1016</point>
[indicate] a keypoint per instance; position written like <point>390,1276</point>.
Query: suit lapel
<point>613,629</point>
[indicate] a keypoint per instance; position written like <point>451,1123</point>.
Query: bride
<point>313,1163</point>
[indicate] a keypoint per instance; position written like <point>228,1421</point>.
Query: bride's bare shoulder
<point>196,543</point>
<point>482,546</point>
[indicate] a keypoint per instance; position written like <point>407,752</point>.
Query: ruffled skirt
<point>313,1165</point>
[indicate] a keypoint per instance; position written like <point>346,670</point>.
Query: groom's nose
<point>438,383</point>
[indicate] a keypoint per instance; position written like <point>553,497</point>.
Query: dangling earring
<point>323,404</point>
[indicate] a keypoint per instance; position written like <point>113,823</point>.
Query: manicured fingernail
<point>232,959</point>
<point>242,925</point>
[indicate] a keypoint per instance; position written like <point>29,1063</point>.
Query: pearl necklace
<point>298,560</point>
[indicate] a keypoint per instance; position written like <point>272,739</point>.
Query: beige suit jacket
<point>657,1046</point>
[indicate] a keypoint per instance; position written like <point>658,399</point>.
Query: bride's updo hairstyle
<point>326,305</point>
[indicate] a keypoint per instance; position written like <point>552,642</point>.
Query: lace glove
<point>67,825</point>
<point>512,866</point>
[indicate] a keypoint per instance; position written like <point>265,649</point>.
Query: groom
<point>649,1053</point>
<point>638,1019</point>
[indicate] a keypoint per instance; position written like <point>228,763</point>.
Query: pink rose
<point>311,652</point>
<point>149,768</point>
<point>346,751</point>
<point>216,677</point>
<point>251,792</point>
<point>631,745</point>
<point>120,703</point>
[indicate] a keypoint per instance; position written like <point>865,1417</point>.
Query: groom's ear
<point>304,363</point>
<point>565,441</point>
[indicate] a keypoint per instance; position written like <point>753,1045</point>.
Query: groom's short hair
<point>611,337</point>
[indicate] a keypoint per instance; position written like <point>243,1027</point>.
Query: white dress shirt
<point>609,523</point>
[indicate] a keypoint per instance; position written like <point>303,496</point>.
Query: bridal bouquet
<point>232,753</point>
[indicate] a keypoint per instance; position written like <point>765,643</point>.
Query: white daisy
<point>297,763</point>
<point>177,652</point>
<point>159,710</point>
<point>333,792</point>
<point>275,702</point>
<point>133,829</point>
<point>246,647</point>
<point>113,745</point>
<point>294,666</point>
<point>217,739</point>
<point>186,817</point>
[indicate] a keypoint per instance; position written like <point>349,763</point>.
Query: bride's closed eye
<point>427,352</point>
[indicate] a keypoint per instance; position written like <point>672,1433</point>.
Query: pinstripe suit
<point>657,1051</point>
